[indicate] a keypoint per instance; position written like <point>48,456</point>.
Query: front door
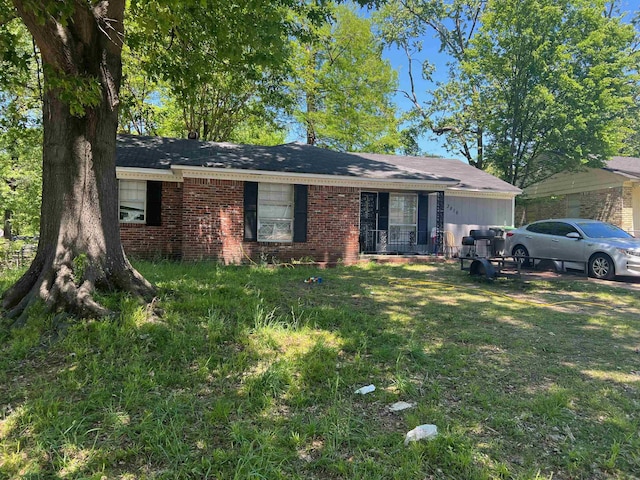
<point>368,221</point>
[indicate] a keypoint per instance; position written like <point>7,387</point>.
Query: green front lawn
<point>250,373</point>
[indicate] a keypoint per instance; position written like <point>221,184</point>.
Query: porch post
<point>440,223</point>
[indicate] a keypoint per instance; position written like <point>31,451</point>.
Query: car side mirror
<point>575,235</point>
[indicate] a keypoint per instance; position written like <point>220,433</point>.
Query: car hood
<point>628,243</point>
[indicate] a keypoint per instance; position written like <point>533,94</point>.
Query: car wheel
<point>523,254</point>
<point>601,266</point>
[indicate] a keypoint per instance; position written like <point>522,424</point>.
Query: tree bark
<point>80,247</point>
<point>8,234</point>
<point>480,148</point>
<point>310,97</point>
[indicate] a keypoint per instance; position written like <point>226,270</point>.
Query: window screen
<point>275,212</point>
<point>403,215</point>
<point>132,196</point>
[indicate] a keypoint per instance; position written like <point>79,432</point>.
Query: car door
<point>563,247</point>
<point>538,239</point>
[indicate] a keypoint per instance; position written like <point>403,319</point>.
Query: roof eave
<point>476,192</point>
<point>632,175</point>
<point>187,171</point>
<point>178,173</point>
<point>142,173</point>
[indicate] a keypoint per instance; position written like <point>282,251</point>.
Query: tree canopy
<point>20,133</point>
<point>450,108</point>
<point>555,83</point>
<point>344,88</point>
<point>214,69</point>
<point>534,87</point>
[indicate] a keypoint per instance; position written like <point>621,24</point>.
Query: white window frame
<point>269,196</point>
<point>131,186</point>
<point>395,226</point>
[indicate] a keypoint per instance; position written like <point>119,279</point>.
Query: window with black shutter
<point>423,219</point>
<point>154,203</point>
<point>300,213</point>
<point>275,212</point>
<point>251,211</point>
<point>383,211</point>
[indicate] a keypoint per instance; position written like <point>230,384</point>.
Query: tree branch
<point>53,40</point>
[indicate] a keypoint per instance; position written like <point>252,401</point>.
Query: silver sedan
<point>604,249</point>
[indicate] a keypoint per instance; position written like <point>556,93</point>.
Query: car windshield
<point>602,230</point>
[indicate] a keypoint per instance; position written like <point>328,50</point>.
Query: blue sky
<point>399,62</point>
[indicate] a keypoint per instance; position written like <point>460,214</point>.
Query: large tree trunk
<point>80,247</point>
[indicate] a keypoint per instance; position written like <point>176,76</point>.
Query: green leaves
<point>451,108</point>
<point>539,86</point>
<point>343,87</point>
<point>14,48</point>
<point>555,81</point>
<point>220,71</point>
<point>61,11</point>
<point>21,177</point>
<point>77,91</point>
<point>215,64</point>
<point>20,129</point>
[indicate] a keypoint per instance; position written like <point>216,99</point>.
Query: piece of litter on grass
<point>399,406</point>
<point>366,389</point>
<point>421,432</point>
<point>569,433</point>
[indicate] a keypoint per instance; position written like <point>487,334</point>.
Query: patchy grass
<point>250,373</point>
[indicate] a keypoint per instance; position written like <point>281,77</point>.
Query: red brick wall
<point>333,223</point>
<point>213,221</point>
<point>204,219</point>
<point>165,241</point>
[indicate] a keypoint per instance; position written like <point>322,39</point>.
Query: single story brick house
<point>192,200</point>
<point>610,194</point>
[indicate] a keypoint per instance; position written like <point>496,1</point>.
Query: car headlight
<point>632,253</point>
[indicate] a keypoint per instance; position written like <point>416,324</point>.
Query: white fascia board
<point>177,173</point>
<point>135,173</point>
<point>310,179</point>
<point>459,192</point>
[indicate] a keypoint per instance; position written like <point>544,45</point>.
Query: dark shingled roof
<point>469,178</point>
<point>627,166</point>
<point>162,153</point>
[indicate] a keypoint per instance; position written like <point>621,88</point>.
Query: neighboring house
<point>610,194</point>
<point>202,200</point>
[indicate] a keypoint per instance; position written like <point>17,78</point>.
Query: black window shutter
<point>251,211</point>
<point>154,203</point>
<point>423,219</point>
<point>383,211</point>
<point>299,213</point>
